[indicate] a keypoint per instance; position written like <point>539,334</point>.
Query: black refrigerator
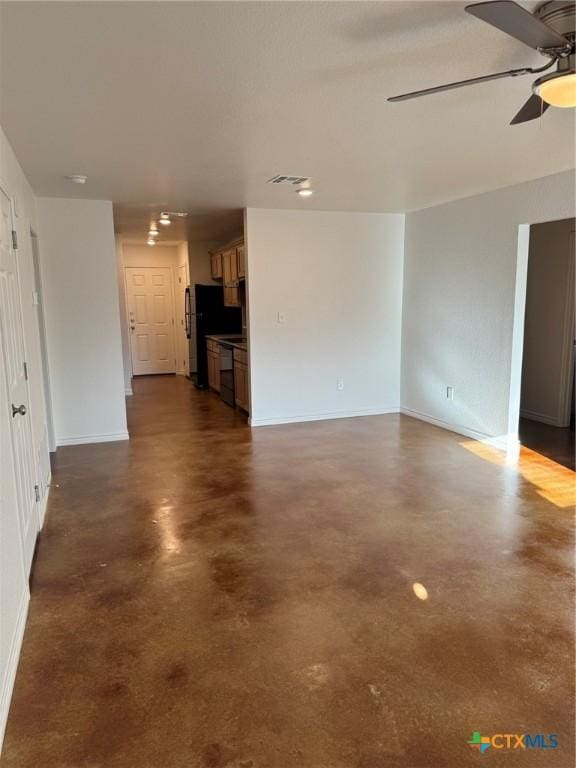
<point>206,315</point>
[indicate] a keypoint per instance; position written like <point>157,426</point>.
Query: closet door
<point>16,399</point>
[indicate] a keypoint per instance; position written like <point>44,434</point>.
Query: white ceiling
<point>194,105</point>
<point>133,222</point>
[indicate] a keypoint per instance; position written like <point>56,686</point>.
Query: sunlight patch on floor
<point>555,483</point>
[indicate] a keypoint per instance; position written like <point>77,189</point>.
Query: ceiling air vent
<point>293,180</point>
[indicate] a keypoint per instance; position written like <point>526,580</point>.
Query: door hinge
<point>14,240</point>
<point>26,371</point>
<point>37,492</point>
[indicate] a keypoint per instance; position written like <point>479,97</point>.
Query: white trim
<point>517,348</point>
<point>542,417</point>
<point>567,362</point>
<point>12,665</point>
<point>128,391</point>
<point>458,428</point>
<point>502,442</point>
<point>326,416</point>
<point>83,439</point>
<point>43,504</point>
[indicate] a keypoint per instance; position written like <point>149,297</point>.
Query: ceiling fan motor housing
<point>560,16</point>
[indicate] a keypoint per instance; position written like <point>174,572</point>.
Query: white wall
<point>181,281</point>
<point>460,300</point>
<point>199,262</point>
<point>126,355</point>
<point>79,274</point>
<point>14,592</point>
<point>337,277</point>
<point>548,331</point>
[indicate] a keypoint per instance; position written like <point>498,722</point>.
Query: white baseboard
<point>83,439</point>
<point>12,664</point>
<point>459,429</point>
<point>326,416</point>
<point>502,442</point>
<point>542,417</point>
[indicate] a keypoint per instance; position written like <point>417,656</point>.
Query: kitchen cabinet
<point>230,278</point>
<point>241,390</point>
<point>229,265</point>
<point>240,261</point>
<point>216,265</point>
<point>213,350</point>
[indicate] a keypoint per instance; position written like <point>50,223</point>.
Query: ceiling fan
<point>551,30</point>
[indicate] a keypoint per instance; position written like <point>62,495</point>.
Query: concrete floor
<point>210,597</point>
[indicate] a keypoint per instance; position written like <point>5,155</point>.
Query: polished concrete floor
<point>359,593</point>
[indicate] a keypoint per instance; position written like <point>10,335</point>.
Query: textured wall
<point>337,278</point>
<point>459,301</point>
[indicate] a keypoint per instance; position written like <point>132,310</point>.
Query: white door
<point>13,578</point>
<point>150,303</point>
<point>16,385</point>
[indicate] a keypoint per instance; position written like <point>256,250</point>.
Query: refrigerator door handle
<point>187,313</point>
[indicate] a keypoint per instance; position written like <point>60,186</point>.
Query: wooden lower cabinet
<point>241,392</point>
<point>231,296</point>
<point>213,350</point>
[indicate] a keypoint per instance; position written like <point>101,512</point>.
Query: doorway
<point>150,305</point>
<point>546,422</point>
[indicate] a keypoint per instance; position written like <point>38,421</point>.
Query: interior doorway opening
<point>184,307</point>
<point>547,380</point>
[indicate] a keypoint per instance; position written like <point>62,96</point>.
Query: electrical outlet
<point>340,384</point>
<point>281,317</point>
<point>450,393</point>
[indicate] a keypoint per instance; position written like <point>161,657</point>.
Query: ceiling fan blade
<point>532,109</point>
<point>516,21</point>
<point>461,84</point>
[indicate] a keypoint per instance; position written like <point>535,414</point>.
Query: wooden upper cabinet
<point>230,267</point>
<point>216,265</point>
<point>240,261</point>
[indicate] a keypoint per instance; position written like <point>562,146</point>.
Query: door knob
<point>21,410</point>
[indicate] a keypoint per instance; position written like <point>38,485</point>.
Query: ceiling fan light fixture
<point>558,89</point>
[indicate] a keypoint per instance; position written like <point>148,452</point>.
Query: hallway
<point>357,593</point>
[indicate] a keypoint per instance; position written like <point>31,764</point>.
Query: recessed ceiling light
<point>151,241</point>
<point>165,219</point>
<point>306,192</point>
<point>77,178</point>
<point>153,232</point>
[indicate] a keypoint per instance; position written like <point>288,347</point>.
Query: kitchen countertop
<point>239,344</point>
